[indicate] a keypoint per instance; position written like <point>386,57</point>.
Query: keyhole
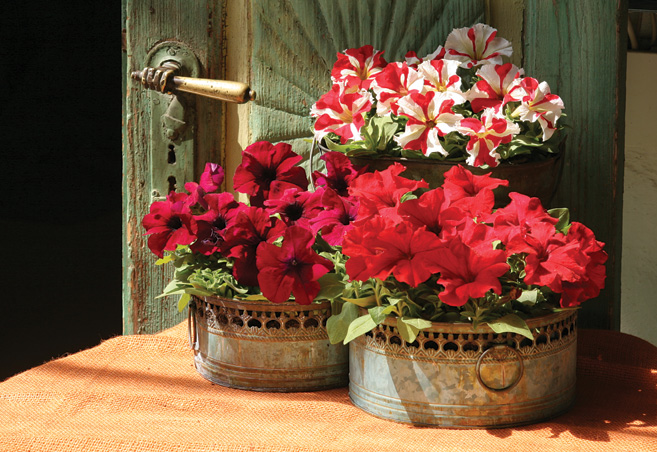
<point>171,157</point>
<point>172,183</point>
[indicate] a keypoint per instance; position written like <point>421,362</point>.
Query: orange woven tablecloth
<point>142,393</point>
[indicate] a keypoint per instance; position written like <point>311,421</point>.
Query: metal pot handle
<point>192,338</point>
<point>480,360</point>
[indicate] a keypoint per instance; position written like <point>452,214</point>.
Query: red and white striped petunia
<point>536,104</point>
<point>429,115</point>
<point>342,112</point>
<point>394,82</point>
<point>358,66</point>
<point>490,91</point>
<point>476,46</point>
<point>414,61</point>
<point>485,136</point>
<point>440,75</point>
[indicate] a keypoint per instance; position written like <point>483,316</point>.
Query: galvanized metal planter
<point>452,376</point>
<point>262,346</point>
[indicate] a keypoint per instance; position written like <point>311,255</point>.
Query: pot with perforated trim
<point>455,376</point>
<point>263,346</point>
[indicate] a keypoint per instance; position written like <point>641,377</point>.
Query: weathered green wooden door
<point>285,48</point>
<point>289,47</point>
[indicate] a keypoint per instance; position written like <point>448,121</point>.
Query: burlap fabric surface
<point>141,393</point>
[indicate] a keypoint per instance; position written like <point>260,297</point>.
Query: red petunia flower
<point>291,268</point>
<point>550,258</point>
<point>250,228</point>
<point>264,163</point>
<point>380,193</point>
<point>170,223</point>
<point>519,216</point>
<point>427,210</point>
<point>404,251</point>
<point>469,266</point>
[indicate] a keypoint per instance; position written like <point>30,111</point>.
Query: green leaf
<point>563,215</point>
<point>183,302</point>
<point>511,323</point>
<point>409,327</point>
<point>331,286</point>
<point>338,324</point>
<point>255,297</point>
<point>529,296</point>
<point>379,313</point>
<point>366,302</point>
<point>358,327</point>
<point>165,259</point>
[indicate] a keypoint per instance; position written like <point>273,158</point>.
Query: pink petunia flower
<point>212,225</point>
<point>394,82</point>
<point>293,268</point>
<point>264,163</point>
<point>429,115</point>
<point>296,206</point>
<point>476,45</point>
<point>491,90</point>
<point>536,104</point>
<point>341,111</point>
<point>358,67</point>
<point>485,136</point>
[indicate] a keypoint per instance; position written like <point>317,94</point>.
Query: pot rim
<point>460,328</point>
<point>263,305</point>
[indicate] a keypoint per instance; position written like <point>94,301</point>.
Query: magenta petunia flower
<point>340,172</point>
<point>212,225</point>
<point>337,217</point>
<point>251,227</point>
<point>264,163</point>
<point>293,268</point>
<point>169,223</point>
<point>295,206</point>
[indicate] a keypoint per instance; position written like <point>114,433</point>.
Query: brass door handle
<point>165,80</point>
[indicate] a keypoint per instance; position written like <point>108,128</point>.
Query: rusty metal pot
<point>536,179</point>
<point>453,376</point>
<point>262,346</point>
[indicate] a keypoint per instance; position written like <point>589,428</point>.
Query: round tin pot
<point>262,346</point>
<point>453,376</point>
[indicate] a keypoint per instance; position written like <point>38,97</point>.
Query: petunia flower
<point>404,251</point>
<point>295,206</point>
<point>340,172</point>
<point>358,66</point>
<point>551,259</point>
<point>428,210</point>
<point>250,227</point>
<point>264,163</point>
<point>341,111</point>
<point>461,183</point>
<point>491,90</point>
<point>468,268</point>
<point>441,76</point>
<point>169,223</point>
<point>485,136</point>
<point>519,216</point>
<point>293,268</point>
<point>380,192</point>
<point>337,217</point>
<point>394,82</point>
<point>212,225</point>
<point>429,115</point>
<point>592,281</point>
<point>536,104</point>
<point>414,61</point>
<point>476,45</point>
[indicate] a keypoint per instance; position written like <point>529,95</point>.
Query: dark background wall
<point>60,206</point>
